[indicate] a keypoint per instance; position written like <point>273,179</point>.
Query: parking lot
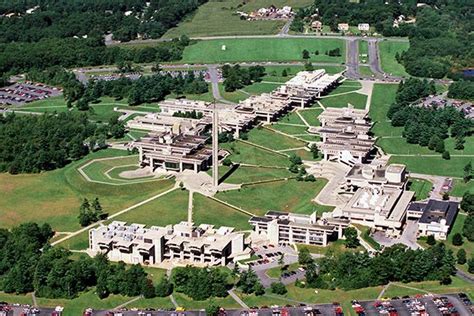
<point>451,304</point>
<point>21,93</point>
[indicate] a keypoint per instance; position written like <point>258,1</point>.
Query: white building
<point>363,27</point>
<point>291,228</point>
<point>435,217</point>
<point>180,244</point>
<point>343,27</point>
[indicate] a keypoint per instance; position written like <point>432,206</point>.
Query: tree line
<point>237,77</point>
<point>462,90</point>
<point>428,127</point>
<point>124,19</point>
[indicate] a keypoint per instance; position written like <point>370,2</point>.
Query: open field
<point>458,285</point>
<point>422,164</point>
<point>208,211</point>
<point>339,101</point>
<point>55,196</point>
<point>245,174</point>
<point>220,18</point>
<point>363,51</point>
<point>460,187</point>
<point>387,51</point>
<point>246,153</point>
<point>289,196</point>
<point>311,116</point>
<point>267,138</point>
<point>382,96</point>
<point>421,187</point>
<point>365,71</point>
<point>346,86</point>
<point>289,129</point>
<point>263,49</point>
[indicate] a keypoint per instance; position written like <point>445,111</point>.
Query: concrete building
<point>316,26</point>
<point>379,197</point>
<point>345,135</point>
<point>435,217</point>
<point>308,85</point>
<point>363,27</point>
<point>175,152</point>
<point>267,106</point>
<point>290,228</point>
<point>343,27</point>
<point>181,244</point>
<point>155,122</point>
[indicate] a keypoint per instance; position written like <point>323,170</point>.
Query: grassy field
<point>208,211</point>
<point>245,174</point>
<point>365,71</point>
<point>339,101</point>
<point>291,118</point>
<point>387,51</point>
<point>336,247</point>
<point>311,116</point>
<point>460,187</point>
<point>458,285</point>
<point>55,196</point>
<point>363,51</point>
<point>291,196</point>
<point>346,86</point>
<point>218,17</point>
<point>289,129</point>
<point>448,168</point>
<point>422,188</point>
<point>246,153</point>
<point>267,138</point>
<point>268,49</point>
<point>382,96</point>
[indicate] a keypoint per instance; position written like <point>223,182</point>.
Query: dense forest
<point>236,77</point>
<point>428,127</point>
<point>33,20</point>
<point>462,90</point>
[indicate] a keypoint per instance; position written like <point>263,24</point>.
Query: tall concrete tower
<point>215,147</point>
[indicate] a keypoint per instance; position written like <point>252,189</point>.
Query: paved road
<point>286,27</point>
<point>352,58</point>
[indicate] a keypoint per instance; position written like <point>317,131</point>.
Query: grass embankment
<point>55,196</point>
<point>246,153</point>
<point>220,18</point>
<point>422,188</point>
<point>262,49</point>
<point>387,51</point>
<point>358,100</point>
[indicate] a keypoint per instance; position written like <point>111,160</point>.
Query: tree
<point>446,155</point>
<point>304,256</point>
<point>284,73</point>
<point>467,202</point>
<point>431,240</point>
<point>164,287</point>
<point>227,161</point>
<point>446,196</point>
<point>308,66</point>
<point>247,281</point>
<point>278,288</point>
<point>295,159</point>
<point>467,172</point>
<point>212,309</point>
<point>305,54</point>
<point>461,256</point>
<point>457,239</point>
<point>468,228</point>
<point>314,150</point>
<point>97,208</point>
<point>259,290</point>
<point>470,265</point>
<point>352,241</point>
<point>148,289</point>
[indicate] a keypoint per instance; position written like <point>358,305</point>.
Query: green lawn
<point>261,87</point>
<point>387,51</point>
<point>311,116</point>
<point>245,174</point>
<point>346,86</point>
<point>208,211</point>
<point>363,51</point>
<point>79,242</point>
<point>336,247</point>
<point>340,101</point>
<point>97,170</point>
<point>270,139</point>
<point>188,303</point>
<point>246,153</point>
<point>449,168</point>
<point>289,129</point>
<point>304,154</point>
<point>218,17</point>
<point>422,188</point>
<point>365,71</point>
<point>47,105</point>
<point>383,96</point>
<point>291,118</point>
<point>291,196</point>
<point>460,187</point>
<point>171,208</point>
<point>268,49</point>
<point>55,196</point>
<point>235,96</point>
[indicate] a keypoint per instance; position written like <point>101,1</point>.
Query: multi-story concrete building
<point>155,122</point>
<point>291,228</point>
<point>174,152</point>
<point>434,217</point>
<point>181,244</point>
<point>344,133</point>
<point>362,176</point>
<point>266,106</point>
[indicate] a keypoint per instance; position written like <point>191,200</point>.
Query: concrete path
<point>237,299</point>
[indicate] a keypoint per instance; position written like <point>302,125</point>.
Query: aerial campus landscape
<point>241,157</point>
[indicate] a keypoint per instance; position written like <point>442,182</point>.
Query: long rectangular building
<point>182,244</point>
<point>174,152</point>
<point>291,228</point>
<point>266,106</point>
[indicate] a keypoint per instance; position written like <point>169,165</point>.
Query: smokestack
<point>215,147</point>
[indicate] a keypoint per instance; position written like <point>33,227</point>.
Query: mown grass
<point>383,95</point>
<point>340,101</point>
<point>270,139</point>
<point>219,17</point>
<point>422,188</point>
<point>460,187</point>
<point>290,196</point>
<point>55,196</point>
<point>422,164</point>
<point>209,211</point>
<point>245,174</point>
<point>289,129</point>
<point>261,50</point>
<point>387,52</point>
<point>311,116</point>
<point>246,153</point>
